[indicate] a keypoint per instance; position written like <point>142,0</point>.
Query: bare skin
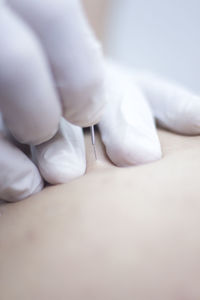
<point>96,12</point>
<point>112,234</point>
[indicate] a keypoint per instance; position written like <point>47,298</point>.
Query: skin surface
<point>96,11</point>
<point>115,233</point>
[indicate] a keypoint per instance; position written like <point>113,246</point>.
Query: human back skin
<point>116,233</point>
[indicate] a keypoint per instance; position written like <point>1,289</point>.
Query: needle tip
<point>95,153</point>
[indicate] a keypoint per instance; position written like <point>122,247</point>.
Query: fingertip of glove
<point>60,172</point>
<point>36,138</point>
<point>62,158</point>
<point>60,165</point>
<point>25,187</point>
<point>188,122</point>
<point>85,106</point>
<point>88,118</point>
<point>127,154</point>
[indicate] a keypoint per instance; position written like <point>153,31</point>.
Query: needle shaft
<point>93,141</point>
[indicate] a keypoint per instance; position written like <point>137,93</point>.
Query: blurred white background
<point>161,36</point>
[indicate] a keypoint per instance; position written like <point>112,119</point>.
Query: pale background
<point>161,36</point>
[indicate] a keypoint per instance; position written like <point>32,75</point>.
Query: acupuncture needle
<point>93,141</point>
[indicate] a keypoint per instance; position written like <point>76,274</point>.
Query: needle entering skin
<point>93,141</point>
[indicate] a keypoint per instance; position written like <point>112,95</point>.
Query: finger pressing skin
<point>74,55</point>
<point>28,100</point>
<point>19,177</point>
<point>127,126</point>
<point>174,107</point>
<point>62,158</point>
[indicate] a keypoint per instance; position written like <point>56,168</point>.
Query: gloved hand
<point>50,65</point>
<point>135,101</point>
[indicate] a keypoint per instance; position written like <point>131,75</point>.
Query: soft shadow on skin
<point>93,166</point>
<point>1,211</point>
<point>173,179</point>
<point>181,157</point>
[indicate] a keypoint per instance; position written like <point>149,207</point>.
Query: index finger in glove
<point>73,52</point>
<point>28,100</point>
<point>127,127</point>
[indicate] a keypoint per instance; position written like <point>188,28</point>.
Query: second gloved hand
<point>136,100</point>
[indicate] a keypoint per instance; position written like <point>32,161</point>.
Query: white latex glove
<point>135,101</point>
<point>127,127</point>
<point>50,65</point>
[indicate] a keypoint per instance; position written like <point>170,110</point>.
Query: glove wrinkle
<point>62,158</point>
